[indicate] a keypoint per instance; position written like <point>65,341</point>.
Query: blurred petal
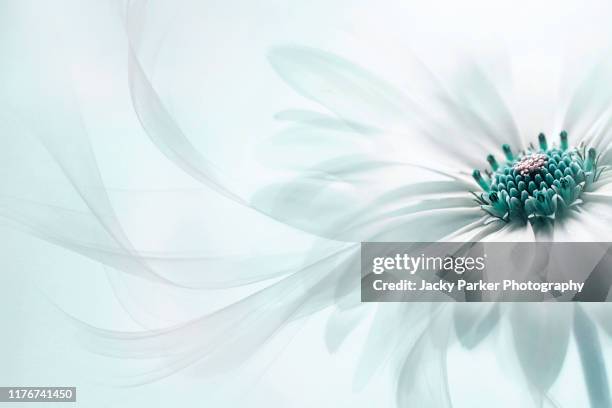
<point>349,91</point>
<point>541,335</point>
<point>474,321</point>
<point>590,103</point>
<point>167,135</point>
<point>591,356</point>
<point>423,379</point>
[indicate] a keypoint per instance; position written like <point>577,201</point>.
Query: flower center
<point>536,183</point>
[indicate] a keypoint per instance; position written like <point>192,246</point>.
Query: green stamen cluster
<point>538,182</point>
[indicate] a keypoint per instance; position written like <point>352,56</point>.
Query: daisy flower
<point>380,165</point>
<point>365,159</point>
<point>465,173</point>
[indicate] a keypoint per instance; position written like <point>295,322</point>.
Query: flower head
<point>538,182</point>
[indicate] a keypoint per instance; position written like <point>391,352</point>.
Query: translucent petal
<point>541,335</point>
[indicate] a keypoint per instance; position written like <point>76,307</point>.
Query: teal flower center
<point>537,183</point>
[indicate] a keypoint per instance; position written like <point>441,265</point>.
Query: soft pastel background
<point>64,80</point>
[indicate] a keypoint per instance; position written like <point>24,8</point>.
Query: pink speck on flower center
<point>530,164</point>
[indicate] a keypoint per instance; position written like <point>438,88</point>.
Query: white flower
<point>367,178</point>
<point>412,183</point>
<point>371,161</point>
<point>429,150</point>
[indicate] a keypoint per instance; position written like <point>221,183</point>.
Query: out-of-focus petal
<point>541,336</point>
<point>591,356</point>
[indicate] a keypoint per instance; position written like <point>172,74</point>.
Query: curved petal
<point>424,372</point>
<point>225,338</point>
<point>346,89</point>
<point>384,343</point>
<point>592,359</point>
<point>356,96</point>
<point>541,335</point>
<point>341,324</point>
<point>475,321</point>
<point>81,232</point>
<point>590,103</point>
<point>168,136</point>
